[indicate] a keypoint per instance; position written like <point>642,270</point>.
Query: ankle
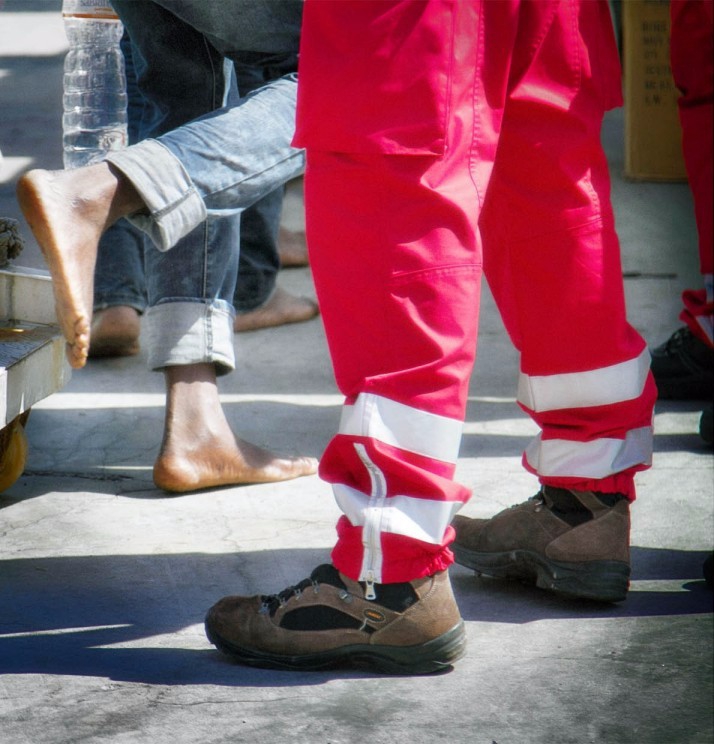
<point>125,199</point>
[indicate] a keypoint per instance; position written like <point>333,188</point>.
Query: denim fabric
<point>230,157</point>
<point>119,274</point>
<point>259,260</point>
<point>235,27</point>
<point>183,181</point>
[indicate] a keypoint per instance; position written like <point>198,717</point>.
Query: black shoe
<point>683,367</point>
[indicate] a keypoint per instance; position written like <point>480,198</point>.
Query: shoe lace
<point>270,603</point>
<point>538,501</point>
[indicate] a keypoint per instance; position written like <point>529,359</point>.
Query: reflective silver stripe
<point>599,458</point>
<point>597,387</point>
<point>420,519</point>
<point>402,426</point>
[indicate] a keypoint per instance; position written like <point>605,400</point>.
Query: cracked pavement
<point>104,580</point>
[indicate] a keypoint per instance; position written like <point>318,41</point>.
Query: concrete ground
<point>104,581</point>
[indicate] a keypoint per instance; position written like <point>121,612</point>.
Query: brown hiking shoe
<point>326,621</point>
<point>574,543</point>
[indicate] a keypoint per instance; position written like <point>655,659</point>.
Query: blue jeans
<point>197,175</point>
<point>119,274</point>
<point>119,277</point>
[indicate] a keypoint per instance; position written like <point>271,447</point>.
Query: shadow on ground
<point>138,618</point>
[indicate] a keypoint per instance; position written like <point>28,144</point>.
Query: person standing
<point>683,365</point>
<point>443,139</point>
<point>120,287</point>
<point>235,156</point>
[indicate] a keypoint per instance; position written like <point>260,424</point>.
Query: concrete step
<point>32,359</point>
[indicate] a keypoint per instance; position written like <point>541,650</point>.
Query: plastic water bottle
<point>94,119</point>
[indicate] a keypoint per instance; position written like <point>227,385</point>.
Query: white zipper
<point>371,531</point>
<point>369,592</point>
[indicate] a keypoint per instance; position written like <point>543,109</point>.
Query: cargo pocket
<point>375,76</point>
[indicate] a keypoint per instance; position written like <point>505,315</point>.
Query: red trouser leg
<point>552,259</point>
<point>557,281</point>
<point>399,293</point>
<point>396,261</point>
<point>397,264</point>
<point>693,70</point>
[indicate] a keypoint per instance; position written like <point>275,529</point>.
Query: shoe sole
<point>433,656</point>
<point>602,581</point>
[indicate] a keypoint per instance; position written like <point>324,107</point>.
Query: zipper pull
<point>369,592</point>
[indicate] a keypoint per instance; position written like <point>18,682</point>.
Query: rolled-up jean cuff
<point>119,300</point>
<point>175,207</point>
<point>181,333</point>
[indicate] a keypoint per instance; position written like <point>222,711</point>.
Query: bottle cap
<point>98,10</point>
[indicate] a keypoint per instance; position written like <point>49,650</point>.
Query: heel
<point>436,655</point>
<point>602,581</point>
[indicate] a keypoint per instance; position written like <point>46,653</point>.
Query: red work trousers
<point>443,137</point>
<point>693,70</point>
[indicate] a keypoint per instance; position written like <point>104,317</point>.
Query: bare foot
<point>217,462</point>
<point>199,449</point>
<point>280,309</point>
<point>292,248</point>
<point>67,212</point>
<point>115,332</point>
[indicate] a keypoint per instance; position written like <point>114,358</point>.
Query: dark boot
<point>326,621</point>
<point>683,367</point>
<point>574,543</point>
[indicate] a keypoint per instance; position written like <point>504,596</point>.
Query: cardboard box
<point>653,134</point>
